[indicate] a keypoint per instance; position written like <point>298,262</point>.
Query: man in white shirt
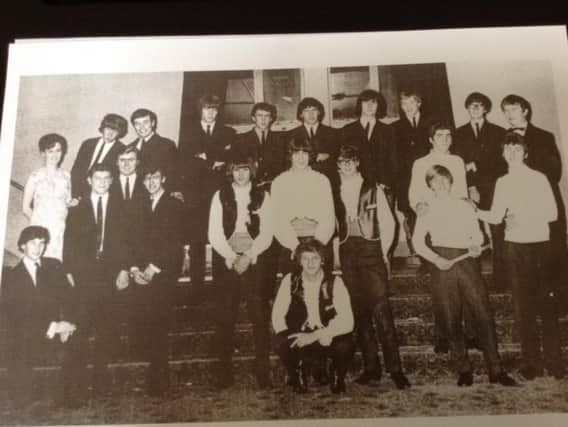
<point>525,201</point>
<point>454,231</point>
<point>240,232</point>
<point>312,318</point>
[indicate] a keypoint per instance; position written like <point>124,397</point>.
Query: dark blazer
<point>543,153</point>
<point>80,169</point>
<point>412,143</point>
<point>133,209</point>
<point>325,141</point>
<point>163,152</point>
<point>271,156</point>
<point>378,154</point>
<point>80,244</point>
<point>486,153</point>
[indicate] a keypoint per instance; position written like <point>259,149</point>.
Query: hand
<point>66,330</point>
<point>72,203</point>
<point>178,195</point>
<point>201,156</point>
<point>71,280</point>
<point>443,263</point>
<point>475,251</point>
<point>122,280</point>
<point>471,167</point>
<point>241,264</point>
<point>510,221</point>
<point>138,277</point>
<point>474,194</point>
<point>303,339</point>
<point>148,274</point>
<point>322,157</point>
<point>218,165</point>
<point>422,208</point>
<point>325,338</point>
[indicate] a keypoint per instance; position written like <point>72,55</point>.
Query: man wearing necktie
<point>99,150</point>
<point>543,155</point>
<point>96,255</point>
<point>34,293</point>
<point>204,150</point>
<point>478,143</point>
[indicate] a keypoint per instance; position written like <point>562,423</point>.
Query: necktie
<point>263,138</point>
<point>99,222</point>
<point>127,189</point>
<point>99,153</point>
<point>312,134</point>
<point>208,130</point>
<point>367,129</point>
<point>414,122</point>
<point>477,130</point>
<point>37,265</point>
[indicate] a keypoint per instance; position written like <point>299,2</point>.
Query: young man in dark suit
<point>128,187</point>
<point>203,156</point>
<point>96,253</point>
<point>374,140</point>
<point>323,138</point>
<point>154,148</point>
<point>35,293</point>
<point>99,150</point>
<point>157,263</point>
<point>478,143</point>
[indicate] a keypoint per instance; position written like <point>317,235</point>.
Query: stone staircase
<point>191,347</point>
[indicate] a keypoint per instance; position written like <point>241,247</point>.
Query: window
<point>282,89</point>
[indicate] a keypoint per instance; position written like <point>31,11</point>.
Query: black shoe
<point>504,379</point>
<point>338,385</point>
<point>441,346</point>
<point>368,377</point>
<point>472,343</point>
<point>465,379</point>
<point>400,380</point>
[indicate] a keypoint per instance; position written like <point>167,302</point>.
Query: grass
<point>427,397</point>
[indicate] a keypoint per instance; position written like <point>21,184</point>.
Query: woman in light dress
<point>47,194</point>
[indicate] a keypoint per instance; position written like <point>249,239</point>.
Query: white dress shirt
<point>371,121</point>
<point>142,141</point>
<point>341,324</point>
<point>131,180</point>
<point>106,149</point>
<point>525,199</point>
<point>95,201</point>
<point>205,124</point>
<point>310,127</point>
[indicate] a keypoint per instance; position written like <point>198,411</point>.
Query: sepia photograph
<point>216,229</point>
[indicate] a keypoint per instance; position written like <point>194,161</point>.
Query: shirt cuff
<point>154,268</point>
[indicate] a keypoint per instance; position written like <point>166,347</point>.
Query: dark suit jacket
<point>411,144</point>
<point>543,153</point>
<point>134,208</point>
<point>378,154</point>
<point>80,244</point>
<point>325,141</point>
<point>271,156</point>
<point>486,153</point>
<point>80,169</point>
<point>163,152</point>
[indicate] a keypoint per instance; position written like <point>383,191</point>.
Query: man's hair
<point>116,122</point>
<point>310,245</point>
<point>514,138</point>
<point>436,126</point>
<point>47,142</point>
<point>438,171</point>
<point>150,168</point>
<point>265,106</point>
<point>210,101</point>
<point>513,99</point>
<point>33,232</point>
<point>144,112</point>
<point>296,144</point>
<point>348,152</point>
<point>371,95</point>
<point>307,103</point>
<point>239,160</point>
<point>127,149</point>
<point>478,97</point>
<point>410,94</point>
<point>100,167</point>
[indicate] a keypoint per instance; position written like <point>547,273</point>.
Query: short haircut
<point>410,94</point>
<point>369,95</point>
<point>311,245</point>
<point>436,126</point>
<point>33,232</point>
<point>308,103</point>
<point>49,141</point>
<point>144,112</point>
<point>348,152</point>
<point>478,97</point>
<point>209,101</point>
<point>514,138</point>
<point>265,106</point>
<point>127,149</point>
<point>116,122</point>
<point>241,161</point>
<point>153,167</point>
<point>100,167</point>
<point>298,144</point>
<point>438,171</point>
<point>517,100</point>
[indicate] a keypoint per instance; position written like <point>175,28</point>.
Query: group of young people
<point>272,204</point>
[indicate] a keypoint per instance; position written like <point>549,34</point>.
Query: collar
<point>364,120</point>
<point>29,264</point>
<point>132,178</point>
<point>156,197</point>
<point>315,127</point>
<point>480,121</point>
<point>355,178</point>
<point>242,190</point>
<point>205,124</point>
<point>106,144</point>
<point>259,132</point>
<point>95,197</point>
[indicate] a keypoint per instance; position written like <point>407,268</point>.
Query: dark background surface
<point>90,18</point>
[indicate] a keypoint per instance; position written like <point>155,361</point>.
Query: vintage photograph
<point>356,238</point>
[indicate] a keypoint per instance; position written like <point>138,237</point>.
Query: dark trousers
<point>340,351</point>
<point>257,292</point>
<point>529,268</point>
<point>462,286</point>
<point>365,276</point>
